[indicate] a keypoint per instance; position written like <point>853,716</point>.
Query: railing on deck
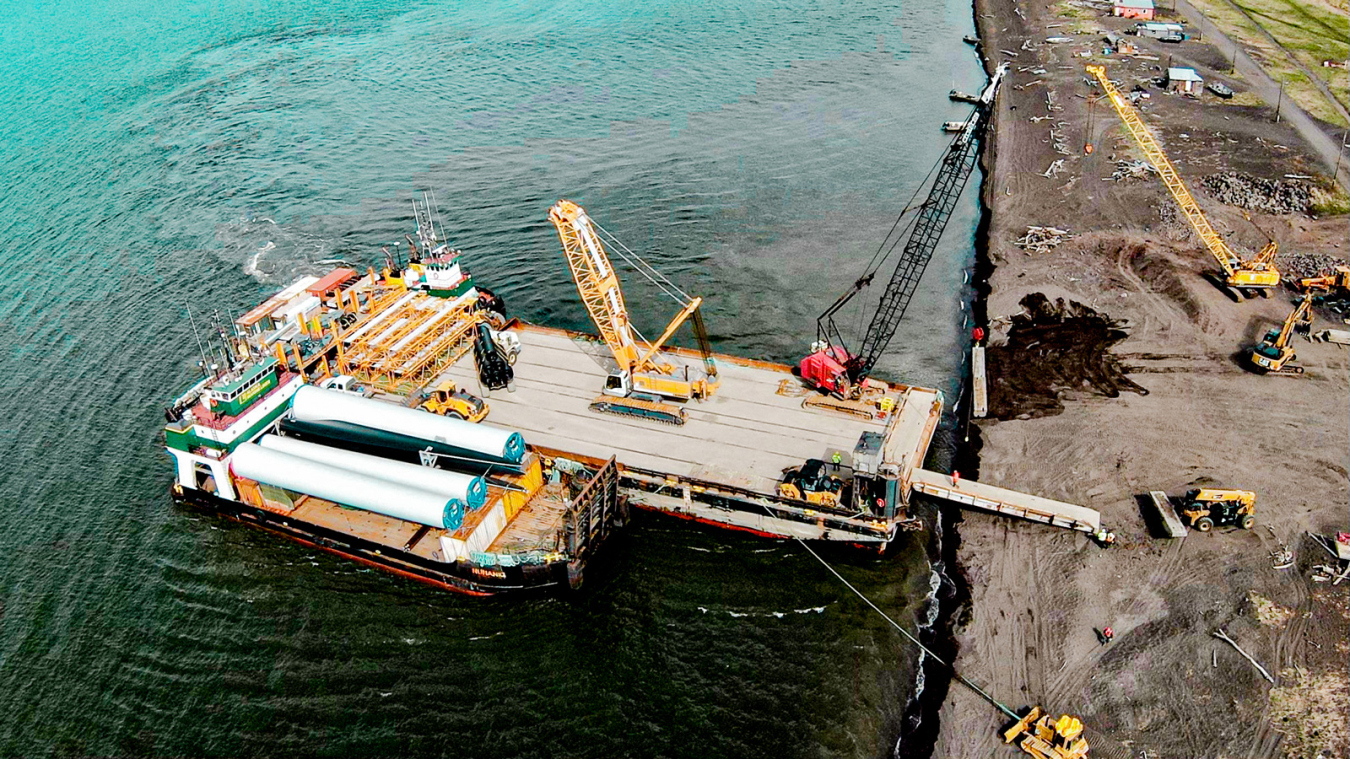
<point>593,511</point>
<point>219,422</point>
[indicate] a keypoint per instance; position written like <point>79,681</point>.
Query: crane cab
<point>619,385</point>
<point>824,370</point>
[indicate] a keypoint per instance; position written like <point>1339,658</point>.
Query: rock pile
<point>1303,265</point>
<point>1266,195</point>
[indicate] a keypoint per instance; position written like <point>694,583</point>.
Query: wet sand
<point>1117,368</point>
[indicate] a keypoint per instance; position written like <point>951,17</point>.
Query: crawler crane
<point>1241,276</point>
<point>1274,353</point>
<point>643,379</point>
<point>832,367</point>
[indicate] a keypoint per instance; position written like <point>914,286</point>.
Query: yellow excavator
<point>644,378</point>
<point>1241,276</point>
<point>1045,737</point>
<point>1274,353</point>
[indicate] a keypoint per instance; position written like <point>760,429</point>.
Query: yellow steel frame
<point>1257,272</point>
<point>445,336</point>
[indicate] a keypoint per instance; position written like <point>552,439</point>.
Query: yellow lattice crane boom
<point>1257,273</point>
<point>640,365</point>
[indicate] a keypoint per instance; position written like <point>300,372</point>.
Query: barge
<point>313,420</point>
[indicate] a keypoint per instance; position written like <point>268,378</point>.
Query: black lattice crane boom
<point>832,367</point>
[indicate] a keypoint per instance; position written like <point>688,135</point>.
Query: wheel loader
<point>448,400</point>
<point>1209,507</point>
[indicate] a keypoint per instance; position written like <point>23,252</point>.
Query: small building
<point>1184,80</point>
<point>1140,9</point>
<point>1159,31</point>
<point>1120,44</point>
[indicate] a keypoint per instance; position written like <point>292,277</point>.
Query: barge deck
<point>724,463</point>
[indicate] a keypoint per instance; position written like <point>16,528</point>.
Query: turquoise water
<point>162,154</point>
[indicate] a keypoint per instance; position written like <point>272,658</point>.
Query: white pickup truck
<point>344,384</point>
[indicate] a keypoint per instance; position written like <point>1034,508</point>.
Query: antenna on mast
<point>436,206</point>
<point>224,340</point>
<point>201,350</point>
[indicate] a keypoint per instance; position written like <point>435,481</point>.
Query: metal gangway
<point>977,495</point>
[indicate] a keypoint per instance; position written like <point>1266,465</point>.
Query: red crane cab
<point>824,370</point>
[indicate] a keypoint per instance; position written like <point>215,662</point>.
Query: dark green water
<point>159,154</point>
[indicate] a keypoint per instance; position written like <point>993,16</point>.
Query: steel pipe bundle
<point>300,475</point>
<point>316,405</point>
<point>461,487</point>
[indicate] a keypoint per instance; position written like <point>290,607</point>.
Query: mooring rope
<point>1001,707</point>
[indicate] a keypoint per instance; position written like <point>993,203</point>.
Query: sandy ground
<point>1155,397</point>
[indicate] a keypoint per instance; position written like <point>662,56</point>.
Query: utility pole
<point>1279,102</point>
<point>1340,151</point>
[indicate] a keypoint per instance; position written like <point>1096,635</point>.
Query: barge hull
<point>457,576</point>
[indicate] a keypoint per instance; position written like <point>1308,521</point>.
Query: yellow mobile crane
<point>1274,353</point>
<point>643,378</point>
<point>1241,276</point>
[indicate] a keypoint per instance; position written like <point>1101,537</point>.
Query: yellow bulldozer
<point>1045,737</point>
<point>448,400</point>
<point>1207,507</point>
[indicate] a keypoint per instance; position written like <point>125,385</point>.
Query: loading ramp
<point>977,495</point>
<point>979,395</point>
